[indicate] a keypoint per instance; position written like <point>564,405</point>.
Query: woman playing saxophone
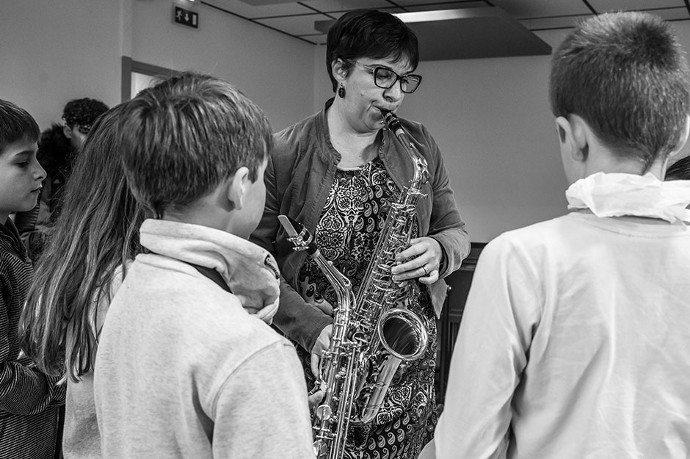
<point>338,172</point>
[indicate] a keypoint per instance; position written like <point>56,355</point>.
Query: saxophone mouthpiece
<point>387,115</point>
<point>300,237</point>
<point>391,121</point>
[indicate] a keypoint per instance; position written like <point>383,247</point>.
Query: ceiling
<point>479,28</point>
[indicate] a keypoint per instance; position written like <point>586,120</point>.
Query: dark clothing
<point>347,234</point>
<point>29,400</point>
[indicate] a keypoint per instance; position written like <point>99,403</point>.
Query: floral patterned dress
<point>347,234</point>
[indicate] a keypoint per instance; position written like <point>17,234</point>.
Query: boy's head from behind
<point>624,74</point>
<point>20,173</point>
<point>195,137</point>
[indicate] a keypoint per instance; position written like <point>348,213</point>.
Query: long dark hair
<point>96,233</point>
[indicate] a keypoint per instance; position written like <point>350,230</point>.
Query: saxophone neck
<point>421,171</point>
<point>303,240</point>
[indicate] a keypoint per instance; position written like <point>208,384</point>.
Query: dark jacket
<point>28,398</point>
<point>298,177</point>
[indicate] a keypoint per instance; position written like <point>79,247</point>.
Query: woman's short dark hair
<point>372,34</point>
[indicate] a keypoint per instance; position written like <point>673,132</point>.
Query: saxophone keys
<point>323,412</point>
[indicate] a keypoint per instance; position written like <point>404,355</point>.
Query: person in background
<point>58,148</point>
<point>29,399</point>
<point>337,173</point>
<point>575,334</point>
<point>79,116</point>
<point>186,365</point>
<point>82,266</point>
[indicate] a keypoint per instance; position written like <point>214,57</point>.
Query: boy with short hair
<point>29,400</point>
<point>575,337</point>
<point>185,366</point>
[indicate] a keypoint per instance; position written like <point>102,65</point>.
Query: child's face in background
<point>75,136</point>
<point>20,178</point>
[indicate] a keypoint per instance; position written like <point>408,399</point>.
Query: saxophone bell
<point>402,334</point>
<point>404,337</point>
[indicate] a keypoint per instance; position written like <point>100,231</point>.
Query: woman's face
<point>363,99</point>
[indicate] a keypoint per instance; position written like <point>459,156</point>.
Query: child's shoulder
<point>179,297</point>
<point>538,244</point>
<point>539,233</point>
<point>16,270</point>
<point>12,251</point>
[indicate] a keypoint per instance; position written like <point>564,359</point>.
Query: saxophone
<point>370,337</point>
<point>393,334</point>
<point>337,376</point>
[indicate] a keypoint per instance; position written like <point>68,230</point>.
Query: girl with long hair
<point>83,263</point>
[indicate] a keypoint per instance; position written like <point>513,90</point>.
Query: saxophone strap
<point>209,273</point>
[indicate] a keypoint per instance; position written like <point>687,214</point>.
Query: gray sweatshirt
<point>183,370</point>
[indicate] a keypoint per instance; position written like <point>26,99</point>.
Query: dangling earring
<point>341,91</point>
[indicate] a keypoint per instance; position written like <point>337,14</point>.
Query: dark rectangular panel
<point>471,33</point>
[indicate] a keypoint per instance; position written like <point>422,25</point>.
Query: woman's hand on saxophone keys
<point>322,343</point>
<point>421,260</point>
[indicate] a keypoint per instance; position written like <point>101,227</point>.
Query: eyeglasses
<point>385,78</point>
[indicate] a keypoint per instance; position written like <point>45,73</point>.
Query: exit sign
<point>186,17</point>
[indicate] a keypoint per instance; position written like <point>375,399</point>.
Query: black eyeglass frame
<point>375,68</point>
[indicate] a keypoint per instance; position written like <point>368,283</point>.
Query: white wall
<point>491,120</point>
<point>274,70</point>
<point>55,51</point>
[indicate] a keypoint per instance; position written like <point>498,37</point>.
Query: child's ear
<point>572,136</point>
<point>67,131</point>
<point>237,188</point>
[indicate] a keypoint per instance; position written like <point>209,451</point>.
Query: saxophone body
<point>337,377</point>
<point>393,334</point>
